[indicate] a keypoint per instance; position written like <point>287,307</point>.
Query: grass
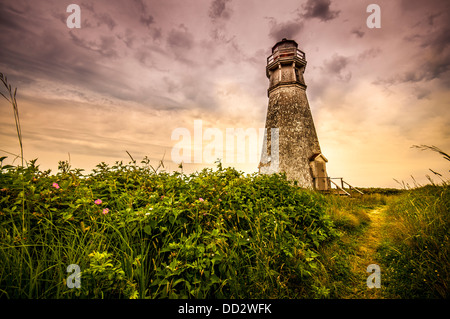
<point>12,100</point>
<point>406,234</point>
<point>417,247</point>
<point>345,259</point>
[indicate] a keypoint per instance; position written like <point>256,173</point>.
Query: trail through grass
<point>361,223</point>
<point>365,253</point>
<point>405,234</point>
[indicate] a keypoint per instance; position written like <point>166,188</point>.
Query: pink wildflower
<point>55,185</point>
<point>105,211</point>
<point>98,201</point>
<point>201,199</point>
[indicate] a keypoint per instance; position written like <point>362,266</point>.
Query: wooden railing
<point>340,187</point>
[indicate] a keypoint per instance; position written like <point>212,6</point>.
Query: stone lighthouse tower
<point>291,144</point>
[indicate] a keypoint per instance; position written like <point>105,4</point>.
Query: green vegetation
<point>346,258</point>
<point>417,248</point>
<point>138,233</point>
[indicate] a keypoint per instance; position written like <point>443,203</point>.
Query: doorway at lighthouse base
<point>317,165</point>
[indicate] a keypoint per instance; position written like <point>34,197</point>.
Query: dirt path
<point>367,244</point>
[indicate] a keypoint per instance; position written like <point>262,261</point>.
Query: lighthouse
<point>290,136</point>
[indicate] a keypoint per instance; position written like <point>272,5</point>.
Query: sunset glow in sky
<point>137,70</point>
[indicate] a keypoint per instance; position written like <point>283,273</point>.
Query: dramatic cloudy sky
<point>136,71</point>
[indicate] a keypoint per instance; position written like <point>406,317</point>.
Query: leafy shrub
<point>103,278</point>
<point>209,234</point>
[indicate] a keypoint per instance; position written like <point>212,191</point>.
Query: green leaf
<point>178,281</point>
<point>148,229</point>
<point>214,279</point>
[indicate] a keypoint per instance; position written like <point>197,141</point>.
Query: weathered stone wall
<point>289,111</point>
<point>287,74</point>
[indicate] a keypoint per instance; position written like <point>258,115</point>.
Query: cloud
<point>312,9</point>
<point>428,57</point>
<point>127,37</point>
<point>104,18</point>
<point>105,45</point>
<point>180,41</point>
<point>147,20</point>
<point>319,9</point>
<point>431,60</point>
<point>10,19</point>
<point>358,33</point>
<point>420,5</point>
<point>369,54</point>
<point>287,29</point>
<point>220,14</point>
<point>336,66</point>
<point>438,41</point>
<point>421,93</point>
<point>101,18</point>
<point>431,18</point>
<point>220,10</point>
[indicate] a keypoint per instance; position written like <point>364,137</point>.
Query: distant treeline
<point>382,191</point>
